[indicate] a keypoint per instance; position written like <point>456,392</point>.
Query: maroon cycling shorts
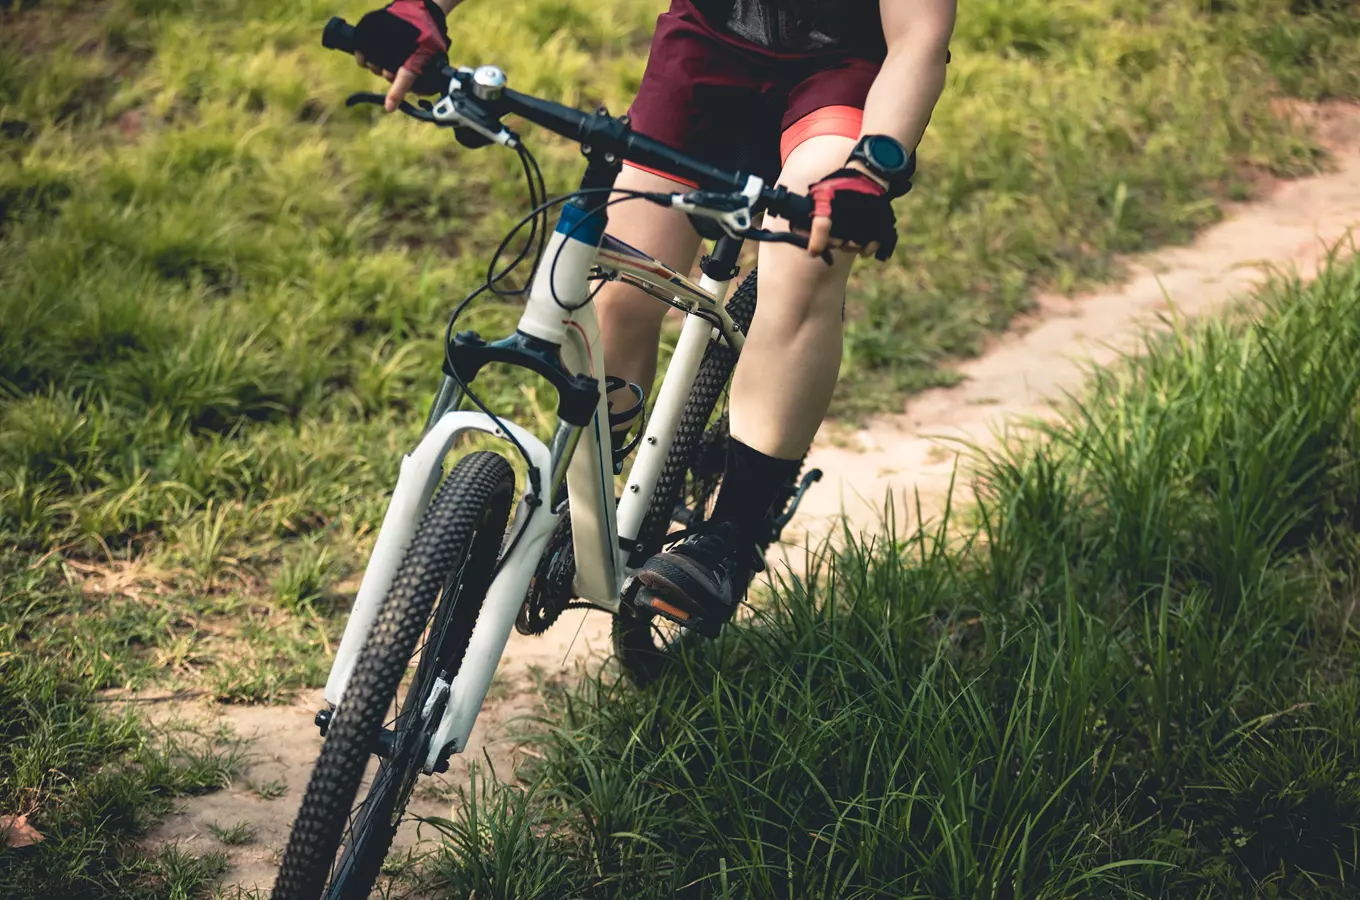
<point>739,106</point>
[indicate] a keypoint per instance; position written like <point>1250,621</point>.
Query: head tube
<point>562,282</point>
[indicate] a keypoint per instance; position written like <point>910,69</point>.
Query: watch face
<point>886,153</point>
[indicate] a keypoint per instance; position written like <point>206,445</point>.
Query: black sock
<point>751,483</point>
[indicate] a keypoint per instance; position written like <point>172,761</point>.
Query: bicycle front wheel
<point>337,846</point>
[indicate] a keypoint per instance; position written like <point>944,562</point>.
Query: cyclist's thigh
<point>705,99</point>
<point>664,234</point>
<point>710,96</point>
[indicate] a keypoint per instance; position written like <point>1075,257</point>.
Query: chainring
<point>550,590</point>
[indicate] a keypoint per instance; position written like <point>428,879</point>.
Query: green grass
<point>222,294</point>
<point>234,835</point>
<point>222,315</point>
<point>91,777</point>
<point>1130,671</point>
<point>271,790</point>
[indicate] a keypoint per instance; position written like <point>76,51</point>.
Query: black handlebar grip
<point>797,210</point>
<point>339,35</point>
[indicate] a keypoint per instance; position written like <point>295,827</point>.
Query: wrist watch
<point>885,157</point>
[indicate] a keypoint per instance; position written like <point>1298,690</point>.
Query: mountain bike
<point>458,561</point>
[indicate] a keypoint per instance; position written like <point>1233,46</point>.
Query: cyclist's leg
<point>630,321</point>
<point>797,328</point>
<point>780,391</point>
<point>788,367</point>
<point>785,376</point>
<point>798,325</point>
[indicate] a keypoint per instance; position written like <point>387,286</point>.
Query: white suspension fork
<point>420,474</point>
<point>489,636</point>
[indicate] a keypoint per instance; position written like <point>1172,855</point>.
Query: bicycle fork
<point>561,282</point>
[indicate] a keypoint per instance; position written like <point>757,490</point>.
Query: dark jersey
<point>800,26</point>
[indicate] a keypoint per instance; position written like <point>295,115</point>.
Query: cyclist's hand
<point>401,39</point>
<point>858,208</point>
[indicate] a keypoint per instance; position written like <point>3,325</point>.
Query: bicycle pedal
<point>668,610</point>
<point>811,477</point>
<point>640,597</point>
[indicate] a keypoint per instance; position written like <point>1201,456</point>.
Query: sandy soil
<point>1044,356</point>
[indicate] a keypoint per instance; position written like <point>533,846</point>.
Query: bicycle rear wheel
<point>644,642</point>
<point>337,846</point>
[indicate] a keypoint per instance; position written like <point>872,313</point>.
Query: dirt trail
<point>1050,352</point>
<point>1045,355</point>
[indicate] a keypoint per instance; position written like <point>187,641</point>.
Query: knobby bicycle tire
<point>452,559</point>
<point>634,643</point>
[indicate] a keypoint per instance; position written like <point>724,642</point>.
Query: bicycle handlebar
<point>600,132</point>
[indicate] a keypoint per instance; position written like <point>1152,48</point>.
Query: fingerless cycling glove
<point>410,33</point>
<point>859,209</point>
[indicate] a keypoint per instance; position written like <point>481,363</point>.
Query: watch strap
<point>898,183</point>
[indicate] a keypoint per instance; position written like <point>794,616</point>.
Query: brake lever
<point>786,237</point>
<point>381,100</point>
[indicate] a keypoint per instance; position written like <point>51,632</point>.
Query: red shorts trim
<point>642,168</point>
<point>842,121</point>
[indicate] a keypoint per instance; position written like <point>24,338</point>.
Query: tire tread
<point>448,526</point>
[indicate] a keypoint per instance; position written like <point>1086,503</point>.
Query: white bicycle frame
<point>599,536</point>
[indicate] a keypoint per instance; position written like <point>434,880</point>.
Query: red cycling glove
<point>409,33</point>
<point>859,210</point>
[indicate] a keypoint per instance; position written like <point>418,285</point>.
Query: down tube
<point>670,405</point>
<point>590,479</point>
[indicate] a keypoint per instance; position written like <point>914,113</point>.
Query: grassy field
<point>222,295</point>
<point>1136,675</point>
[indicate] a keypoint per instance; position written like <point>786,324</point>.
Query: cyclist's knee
<point>814,159</point>
<point>807,284</point>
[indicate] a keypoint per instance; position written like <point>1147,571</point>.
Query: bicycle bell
<point>488,82</point>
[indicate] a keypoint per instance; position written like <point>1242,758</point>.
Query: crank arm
<point>811,477</point>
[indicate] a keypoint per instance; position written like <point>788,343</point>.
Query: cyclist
<point>828,96</point>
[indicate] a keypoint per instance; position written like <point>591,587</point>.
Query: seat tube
<point>562,279</point>
<point>719,268</point>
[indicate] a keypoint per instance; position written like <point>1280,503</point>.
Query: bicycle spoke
<point>346,838</point>
<point>362,810</point>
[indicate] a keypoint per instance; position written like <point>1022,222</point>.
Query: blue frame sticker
<point>573,222</point>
